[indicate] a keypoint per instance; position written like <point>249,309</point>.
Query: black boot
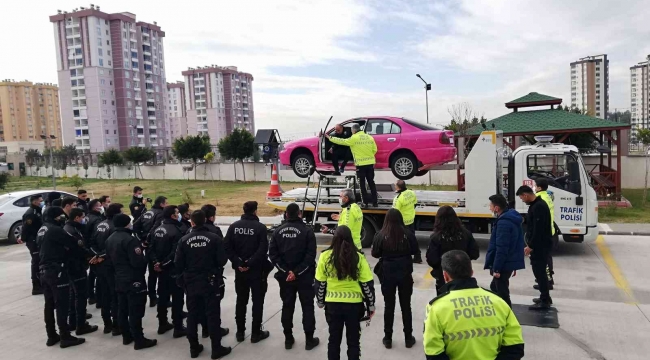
<point>410,341</point>
<point>92,301</point>
<point>36,288</point>
<point>127,340</point>
<point>311,342</point>
<point>257,337</point>
<point>108,326</point>
<point>538,300</point>
<point>220,352</point>
<point>388,342</point>
<point>180,331</point>
<point>69,341</point>
<point>225,332</point>
<point>86,328</point>
<point>240,336</point>
<point>536,287</point>
<point>153,301</point>
<point>116,331</point>
<point>89,316</point>
<point>53,339</point>
<point>144,344</point>
<point>195,351</point>
<point>541,306</point>
<point>205,333</point>
<point>163,327</point>
<point>288,342</point>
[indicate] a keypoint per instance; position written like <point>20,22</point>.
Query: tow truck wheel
<point>368,232</point>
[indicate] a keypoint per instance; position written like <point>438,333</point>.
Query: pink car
<point>407,147</point>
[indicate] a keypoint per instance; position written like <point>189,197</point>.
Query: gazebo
<point>519,125</point>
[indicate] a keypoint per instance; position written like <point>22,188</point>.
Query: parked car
<point>12,207</point>
<point>407,147</point>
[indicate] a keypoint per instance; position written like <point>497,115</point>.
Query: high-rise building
<point>28,111</point>
<point>175,109</point>
<point>219,100</point>
<point>640,91</point>
<point>112,80</point>
<point>590,85</point>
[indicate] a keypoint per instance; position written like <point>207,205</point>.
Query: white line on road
<point>605,227</point>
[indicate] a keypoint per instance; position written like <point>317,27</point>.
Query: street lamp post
<point>427,87</point>
<point>52,137</point>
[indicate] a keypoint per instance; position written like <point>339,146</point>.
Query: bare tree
<point>463,118</point>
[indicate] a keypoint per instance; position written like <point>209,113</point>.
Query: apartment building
<point>590,85</point>
<point>640,91</point>
<point>218,100</point>
<point>111,78</point>
<point>28,111</point>
<point>175,110</point>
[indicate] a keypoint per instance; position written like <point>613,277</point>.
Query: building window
<point>102,81</point>
<point>100,51</point>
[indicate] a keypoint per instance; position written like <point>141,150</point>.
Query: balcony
<point>150,90</point>
<point>153,135</point>
<point>149,80</point>
<point>151,108</point>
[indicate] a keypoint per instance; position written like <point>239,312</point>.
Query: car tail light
<point>446,138</point>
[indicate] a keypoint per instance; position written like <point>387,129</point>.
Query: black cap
<point>52,213</point>
<point>121,220</point>
<point>136,189</point>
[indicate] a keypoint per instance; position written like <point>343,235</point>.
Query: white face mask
<point>101,210</point>
<point>139,196</point>
<point>341,202</point>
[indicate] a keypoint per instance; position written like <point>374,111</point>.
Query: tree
<point>137,155</point>
<point>76,181</point>
<point>463,118</point>
<point>110,158</point>
<point>31,157</point>
<point>239,145</point>
<point>644,137</point>
<point>191,148</point>
<point>4,179</point>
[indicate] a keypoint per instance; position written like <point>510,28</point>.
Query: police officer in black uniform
<point>32,222</point>
<point>247,247</point>
<point>93,218</point>
<point>127,256</point>
<point>293,252</point>
<point>143,227</point>
<point>138,205</point>
<point>199,261</point>
<point>82,202</point>
<point>77,267</point>
<point>105,270</point>
<point>210,212</point>
<point>164,242</point>
<point>55,248</point>
<point>184,211</point>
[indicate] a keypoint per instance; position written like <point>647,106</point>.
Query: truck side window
<point>556,168</point>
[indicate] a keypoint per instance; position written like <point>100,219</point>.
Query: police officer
<point>351,216</point>
<point>247,246</point>
<point>405,201</point>
<point>82,202</point>
<point>77,267</point>
<point>106,202</point>
<point>199,260</point>
<point>363,149</point>
<point>293,253</point>
<point>164,242</point>
<point>467,322</point>
<point>93,218</point>
<point>210,216</point>
<point>143,227</point>
<point>125,252</point>
<point>185,213</point>
<point>105,270</point>
<point>138,205</point>
<point>541,189</point>
<point>32,222</point>
<point>55,247</point>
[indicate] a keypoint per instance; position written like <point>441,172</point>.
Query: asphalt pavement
<point>602,296</point>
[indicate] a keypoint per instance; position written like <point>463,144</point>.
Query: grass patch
<point>636,214</point>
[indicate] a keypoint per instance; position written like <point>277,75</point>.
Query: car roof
<point>32,192</point>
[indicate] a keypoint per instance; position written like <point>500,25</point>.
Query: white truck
<point>576,204</point>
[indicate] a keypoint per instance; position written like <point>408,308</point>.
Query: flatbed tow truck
<point>575,201</point>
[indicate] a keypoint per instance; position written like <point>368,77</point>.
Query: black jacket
<point>246,244</point>
<point>396,263</point>
<point>128,261</point>
<point>186,226</point>
<point>98,242</point>
<point>56,245</point>
<point>137,208</point>
<point>164,241</point>
<point>200,259</point>
<point>83,205</point>
<point>77,261</point>
<point>145,224</point>
<point>293,248</point>
<point>538,228</point>
<point>93,219</point>
<point>32,222</point>
<point>341,149</point>
<point>440,244</point>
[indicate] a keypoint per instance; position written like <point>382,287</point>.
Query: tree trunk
<point>645,187</point>
<point>194,171</point>
<point>243,169</point>
<point>234,167</point>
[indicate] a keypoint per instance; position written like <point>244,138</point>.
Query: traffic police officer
<point>363,149</point>
<point>164,242</point>
<point>405,202</point>
<point>138,205</point>
<point>93,218</point>
<point>125,252</point>
<point>143,227</point>
<point>32,222</point>
<point>247,246</point>
<point>77,267</point>
<point>351,216</point>
<point>541,189</point>
<point>55,247</point>
<point>199,261</point>
<point>293,253</point>
<point>467,322</point>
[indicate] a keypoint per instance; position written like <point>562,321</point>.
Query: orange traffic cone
<point>274,191</point>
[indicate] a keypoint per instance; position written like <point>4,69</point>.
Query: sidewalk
<point>624,229</point>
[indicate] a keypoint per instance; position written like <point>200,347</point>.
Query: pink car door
<point>387,135</point>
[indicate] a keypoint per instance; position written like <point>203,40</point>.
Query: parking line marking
<point>616,272</point>
<point>604,227</point>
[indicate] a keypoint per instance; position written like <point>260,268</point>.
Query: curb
<point>625,233</point>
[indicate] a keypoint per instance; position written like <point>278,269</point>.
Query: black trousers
<point>338,316</point>
<point>289,291</point>
<point>151,282</point>
<point>78,299</point>
<point>56,291</point>
<point>501,286</point>
<point>405,289</point>
<point>365,174</point>
<point>340,156</point>
<point>538,264</point>
<point>167,288</point>
<point>549,266</point>
<point>132,304</point>
<point>252,284</point>
<point>106,288</point>
<point>35,260</point>
<point>205,304</point>
<point>92,277</point>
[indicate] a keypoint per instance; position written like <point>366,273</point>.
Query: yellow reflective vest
<point>405,202</point>
<point>352,217</point>
<point>549,201</point>
<point>346,290</point>
<point>362,145</point>
<point>468,322</point>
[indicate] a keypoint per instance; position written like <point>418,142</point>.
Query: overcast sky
<point>349,58</point>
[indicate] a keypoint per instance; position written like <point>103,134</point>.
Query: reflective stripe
<point>343,295</point>
<point>474,333</point>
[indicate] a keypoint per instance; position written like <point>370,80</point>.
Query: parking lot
<point>602,296</point>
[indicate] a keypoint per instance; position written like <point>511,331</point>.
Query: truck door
<point>387,135</point>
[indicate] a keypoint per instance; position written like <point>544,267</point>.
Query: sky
<point>313,59</point>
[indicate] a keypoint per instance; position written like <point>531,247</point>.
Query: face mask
<point>341,202</point>
<point>84,221</point>
<point>139,196</point>
<point>101,210</point>
<point>42,204</point>
<point>62,218</point>
<point>180,218</point>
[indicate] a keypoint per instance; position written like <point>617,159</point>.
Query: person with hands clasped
<point>351,216</point>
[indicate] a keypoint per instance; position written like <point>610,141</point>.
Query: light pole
<point>427,87</point>
<point>52,137</point>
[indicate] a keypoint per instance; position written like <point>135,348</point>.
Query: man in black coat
<point>199,260</point>
<point>32,222</point>
<point>185,213</point>
<point>539,241</point>
<point>293,252</point>
<point>55,248</point>
<point>247,247</point>
<point>93,218</point>
<point>339,152</point>
<point>143,228</point>
<point>82,202</point>
<point>127,256</point>
<point>164,242</point>
<point>210,212</point>
<point>138,205</point>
